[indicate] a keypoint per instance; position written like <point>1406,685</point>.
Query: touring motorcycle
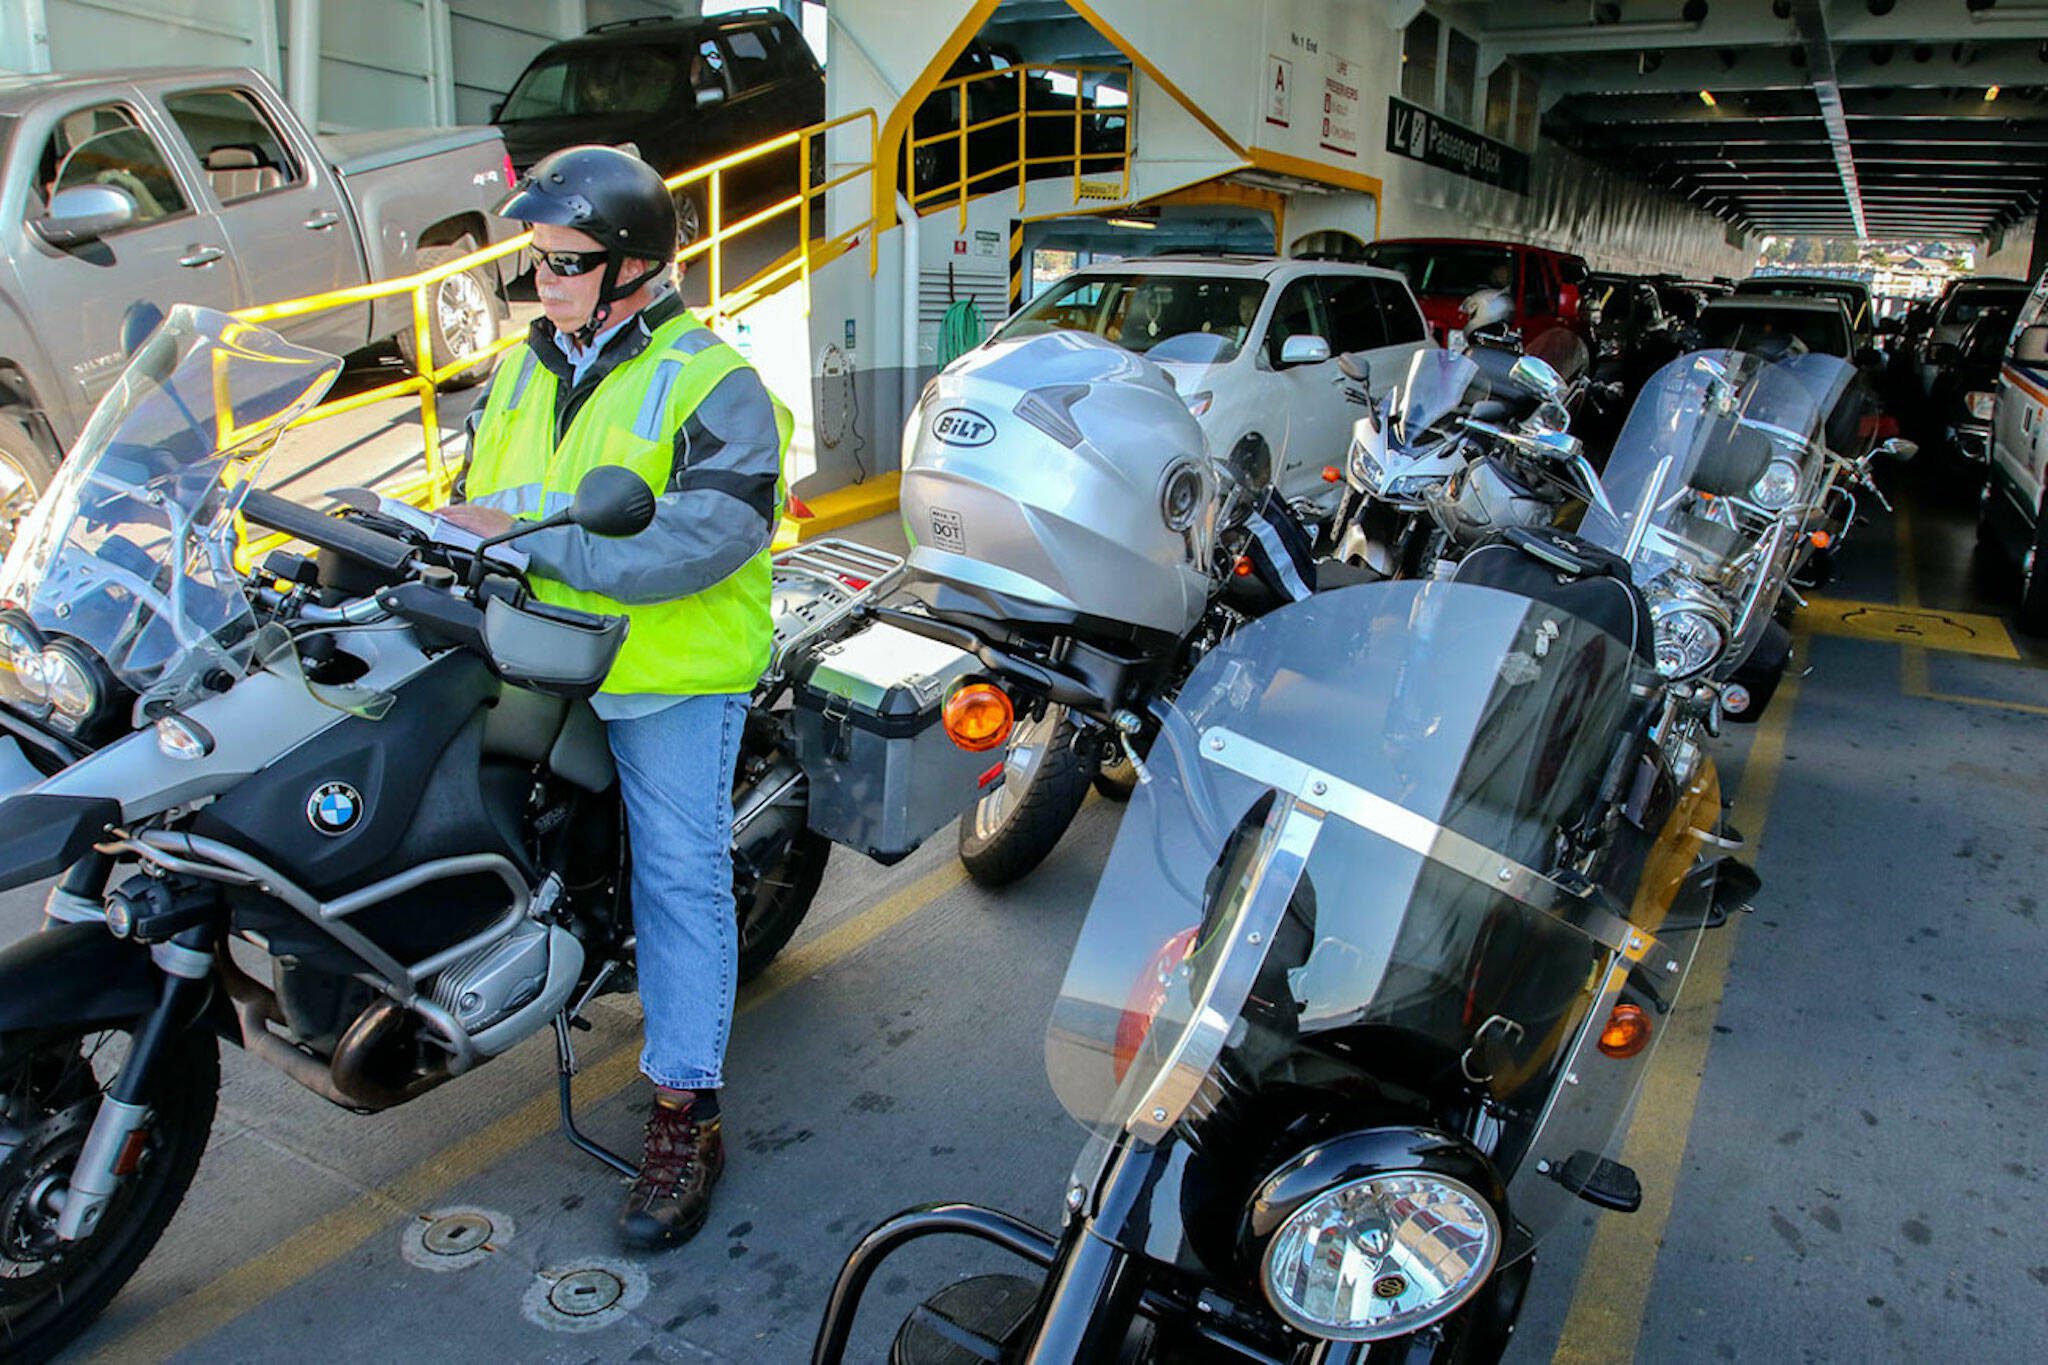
<point>1069,528</point>
<point>352,813</point>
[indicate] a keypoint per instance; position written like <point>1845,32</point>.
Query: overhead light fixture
<point>1707,98</point>
<point>1144,223</point>
<point>1990,93</point>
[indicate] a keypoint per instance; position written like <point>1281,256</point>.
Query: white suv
<point>2014,511</point>
<point>1251,343</point>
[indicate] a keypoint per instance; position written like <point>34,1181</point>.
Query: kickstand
<point>565,1062</point>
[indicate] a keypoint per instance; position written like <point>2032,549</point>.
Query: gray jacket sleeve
<point>717,512</point>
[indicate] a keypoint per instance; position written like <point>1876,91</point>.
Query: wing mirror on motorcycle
<point>610,500</point>
<point>1897,448</point>
<point>1538,379</point>
<point>1355,367</point>
<point>1550,418</point>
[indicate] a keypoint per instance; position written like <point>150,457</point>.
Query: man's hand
<point>483,522</point>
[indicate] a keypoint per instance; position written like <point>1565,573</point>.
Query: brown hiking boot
<point>672,1194</point>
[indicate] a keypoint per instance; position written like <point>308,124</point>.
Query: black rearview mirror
<point>1355,367</point>
<point>612,500</point>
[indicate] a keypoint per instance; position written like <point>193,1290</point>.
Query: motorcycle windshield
<point>1348,826</point>
<point>1718,444</point>
<point>1436,386</point>
<point>130,552</point>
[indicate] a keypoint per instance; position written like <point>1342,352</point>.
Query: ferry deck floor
<point>1838,1144</point>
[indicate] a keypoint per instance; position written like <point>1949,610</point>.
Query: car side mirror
<point>1897,448</point>
<point>84,213</point>
<point>1355,367</point>
<point>1538,379</point>
<point>1304,350</point>
<point>612,500</point>
<point>2031,348</point>
<point>710,94</point>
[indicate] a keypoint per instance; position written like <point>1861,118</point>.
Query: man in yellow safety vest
<point>619,372</point>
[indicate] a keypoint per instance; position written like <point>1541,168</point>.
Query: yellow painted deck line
<point>1914,680</point>
<point>840,508</point>
<point>1606,1315</point>
<point>311,1249</point>
<point>1918,628</point>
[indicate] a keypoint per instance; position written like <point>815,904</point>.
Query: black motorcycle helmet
<point>613,196</point>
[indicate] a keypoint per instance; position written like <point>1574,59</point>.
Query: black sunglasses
<point>567,263</point>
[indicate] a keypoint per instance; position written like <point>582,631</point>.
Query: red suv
<point>1545,285</point>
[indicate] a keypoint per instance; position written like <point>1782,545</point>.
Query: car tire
<point>462,317</point>
<point>689,216</point>
<point>20,456</point>
<point>2032,615</point>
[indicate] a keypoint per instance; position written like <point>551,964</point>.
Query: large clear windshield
<point>1342,845</point>
<point>1719,446</point>
<point>1185,319</point>
<point>1436,386</point>
<point>131,551</point>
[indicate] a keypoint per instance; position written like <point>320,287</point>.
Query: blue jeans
<point>675,775</point>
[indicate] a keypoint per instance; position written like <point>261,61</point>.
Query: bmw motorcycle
<point>371,770</point>
<point>1373,970</point>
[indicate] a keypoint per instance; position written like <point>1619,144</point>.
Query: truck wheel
<point>2032,616</point>
<point>462,317</point>
<point>1011,829</point>
<point>25,471</point>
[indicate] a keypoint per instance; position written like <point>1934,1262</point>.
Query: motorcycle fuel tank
<point>1065,473</point>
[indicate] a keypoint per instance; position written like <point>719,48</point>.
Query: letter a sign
<point>1279,90</point>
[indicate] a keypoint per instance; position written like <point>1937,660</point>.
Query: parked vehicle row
<point>145,188</point>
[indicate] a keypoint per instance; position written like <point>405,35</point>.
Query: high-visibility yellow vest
<point>717,640</point>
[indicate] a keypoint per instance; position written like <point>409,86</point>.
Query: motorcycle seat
<point>1576,575</point>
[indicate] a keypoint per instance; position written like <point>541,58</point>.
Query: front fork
<point>113,1146</point>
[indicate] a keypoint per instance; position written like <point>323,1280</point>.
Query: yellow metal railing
<point>928,191</point>
<point>812,252</point>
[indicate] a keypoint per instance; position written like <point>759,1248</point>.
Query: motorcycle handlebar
<point>385,553</point>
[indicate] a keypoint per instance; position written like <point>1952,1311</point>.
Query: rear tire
<point>462,317</point>
<point>25,471</point>
<point>771,908</point>
<point>48,1083</point>
<point>1011,829</point>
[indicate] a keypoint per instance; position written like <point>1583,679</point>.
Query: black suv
<point>683,91</point>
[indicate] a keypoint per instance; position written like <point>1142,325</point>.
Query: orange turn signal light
<point>1821,540</point>
<point>1243,567</point>
<point>978,717</point>
<point>1627,1031</point>
<point>1331,474</point>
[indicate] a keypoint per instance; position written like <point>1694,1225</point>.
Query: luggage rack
<point>819,584</point>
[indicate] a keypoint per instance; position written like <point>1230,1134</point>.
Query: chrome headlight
<point>1689,637</point>
<point>21,666</point>
<point>1381,1257</point>
<point>1777,485</point>
<point>72,685</point>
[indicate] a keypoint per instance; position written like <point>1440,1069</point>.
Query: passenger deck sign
<point>1340,127</point>
<point>1419,135</point>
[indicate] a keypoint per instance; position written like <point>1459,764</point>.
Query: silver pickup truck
<point>169,185</point>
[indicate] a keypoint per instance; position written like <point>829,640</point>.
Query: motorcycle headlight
<point>1776,486</point>
<point>1688,640</point>
<point>1180,496</point>
<point>1381,1257</point>
<point>21,666</point>
<point>1364,467</point>
<point>73,691</point>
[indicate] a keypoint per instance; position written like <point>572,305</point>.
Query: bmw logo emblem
<point>334,808</point>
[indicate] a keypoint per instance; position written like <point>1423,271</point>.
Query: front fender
<point>75,974</point>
